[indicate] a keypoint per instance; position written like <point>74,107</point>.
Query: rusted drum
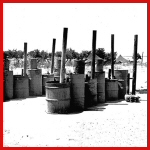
<point>57,97</point>
<point>21,86</point>
<point>79,66</point>
<point>6,64</point>
<point>121,90</point>
<point>111,89</point>
<point>91,93</point>
<point>57,63</point>
<point>57,66</point>
<point>33,63</point>
<point>46,78</point>
<point>35,82</point>
<point>99,65</point>
<point>8,85</point>
<point>77,91</point>
<point>123,75</point>
<point>100,76</point>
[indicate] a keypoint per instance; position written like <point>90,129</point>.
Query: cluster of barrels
<point>77,92</point>
<point>80,92</point>
<point>20,86</point>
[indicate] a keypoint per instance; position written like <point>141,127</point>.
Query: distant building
<point>89,58</point>
<point>121,59</point>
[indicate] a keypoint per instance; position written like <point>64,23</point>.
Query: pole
<point>93,54</point>
<point>134,64</point>
<point>109,73</point>
<point>112,56</point>
<point>53,52</point>
<point>63,58</point>
<point>128,83</point>
<point>25,58</point>
<point>142,58</point>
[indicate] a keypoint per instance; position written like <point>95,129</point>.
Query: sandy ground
<point>117,124</point>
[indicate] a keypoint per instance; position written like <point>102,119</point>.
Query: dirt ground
<point>117,124</point>
<point>112,124</point>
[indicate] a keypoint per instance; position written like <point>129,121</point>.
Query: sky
<point>38,23</point>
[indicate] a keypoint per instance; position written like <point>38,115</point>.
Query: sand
<point>117,124</point>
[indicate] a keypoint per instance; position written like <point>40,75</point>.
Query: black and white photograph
<point>75,74</point>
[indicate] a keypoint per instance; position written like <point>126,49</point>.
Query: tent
<point>89,58</point>
<point>121,59</point>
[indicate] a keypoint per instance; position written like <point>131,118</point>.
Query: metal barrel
<point>122,75</point>
<point>8,85</point>
<point>99,65</point>
<point>21,86</point>
<point>77,91</point>
<point>35,82</point>
<point>57,66</point>
<point>111,89</point>
<point>46,78</point>
<point>33,63</point>
<point>79,66</point>
<point>91,93</point>
<point>100,76</point>
<point>121,90</point>
<point>6,64</point>
<point>57,97</point>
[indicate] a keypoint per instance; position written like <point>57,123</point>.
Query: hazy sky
<point>38,23</point>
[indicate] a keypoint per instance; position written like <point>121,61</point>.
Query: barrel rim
<point>20,77</point>
<point>56,84</point>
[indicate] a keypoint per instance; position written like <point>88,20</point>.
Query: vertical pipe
<point>142,58</point>
<point>53,52</point>
<point>93,54</point>
<point>25,58</point>
<point>112,56</point>
<point>134,64</point>
<point>63,58</point>
<point>109,73</point>
<point>128,83</point>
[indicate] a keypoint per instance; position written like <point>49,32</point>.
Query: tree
<point>84,54</point>
<point>44,55</point>
<point>58,54</point>
<point>138,56</point>
<point>68,54</point>
<point>100,52</point>
<point>108,58</point>
<point>35,53</point>
<point>13,54</point>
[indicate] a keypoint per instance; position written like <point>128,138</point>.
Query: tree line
<point>70,54</point>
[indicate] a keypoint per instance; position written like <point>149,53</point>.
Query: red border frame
<point>63,1</point>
